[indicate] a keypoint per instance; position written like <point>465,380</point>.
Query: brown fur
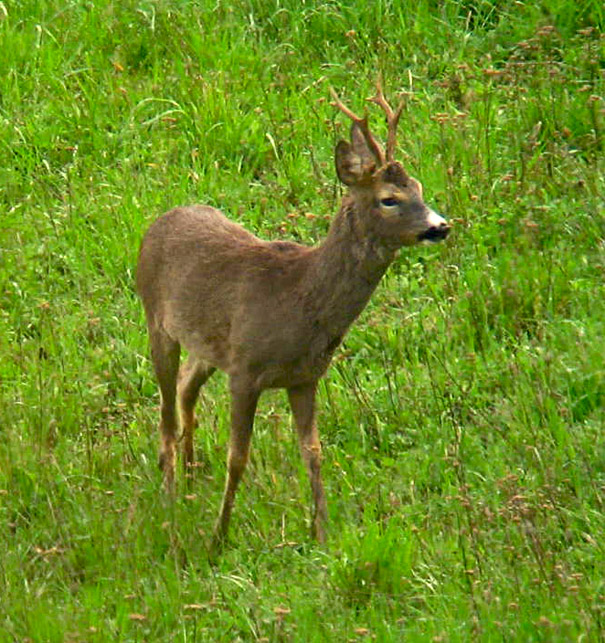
<point>269,314</point>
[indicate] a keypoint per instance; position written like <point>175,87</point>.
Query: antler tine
<point>392,118</point>
<point>362,123</point>
<point>344,109</point>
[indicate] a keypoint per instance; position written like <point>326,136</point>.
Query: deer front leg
<point>302,402</point>
<point>244,398</point>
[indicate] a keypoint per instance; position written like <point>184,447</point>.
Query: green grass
<point>462,420</point>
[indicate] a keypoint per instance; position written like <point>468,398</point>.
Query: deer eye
<point>389,202</point>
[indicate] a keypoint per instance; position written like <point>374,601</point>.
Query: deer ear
<point>394,173</point>
<point>360,146</point>
<point>352,168</point>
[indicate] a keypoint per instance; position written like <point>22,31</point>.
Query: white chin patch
<point>434,220</point>
<point>437,228</point>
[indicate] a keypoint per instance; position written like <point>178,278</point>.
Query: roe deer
<point>271,313</point>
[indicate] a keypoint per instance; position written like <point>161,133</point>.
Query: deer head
<point>390,197</point>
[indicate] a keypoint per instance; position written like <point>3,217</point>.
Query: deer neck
<point>345,270</point>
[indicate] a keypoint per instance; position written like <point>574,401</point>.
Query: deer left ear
<point>351,167</point>
<point>360,146</point>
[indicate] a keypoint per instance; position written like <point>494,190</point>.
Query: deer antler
<point>392,118</point>
<point>362,123</point>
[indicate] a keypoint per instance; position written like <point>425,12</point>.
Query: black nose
<point>435,233</point>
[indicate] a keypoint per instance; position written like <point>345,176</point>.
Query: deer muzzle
<point>437,230</point>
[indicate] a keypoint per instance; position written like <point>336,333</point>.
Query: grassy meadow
<point>463,418</point>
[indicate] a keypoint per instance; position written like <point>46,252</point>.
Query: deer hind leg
<point>165,354</point>
<point>302,402</point>
<point>243,406</point>
<point>192,376</point>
